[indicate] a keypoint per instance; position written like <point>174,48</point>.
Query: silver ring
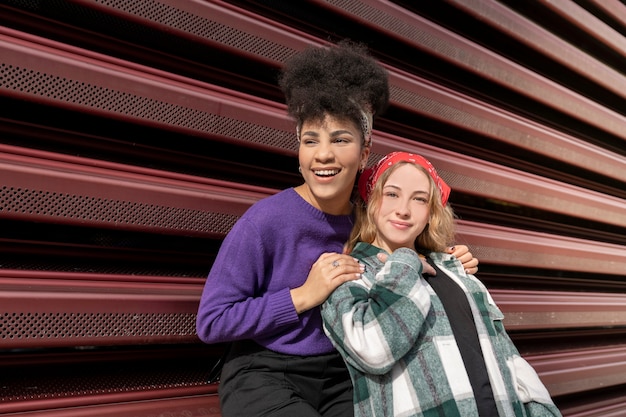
<point>335,264</point>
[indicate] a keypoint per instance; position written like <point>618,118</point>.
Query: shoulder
<point>275,200</point>
<point>259,216</point>
<point>365,251</point>
<point>276,205</point>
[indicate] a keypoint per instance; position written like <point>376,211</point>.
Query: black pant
<point>258,382</point>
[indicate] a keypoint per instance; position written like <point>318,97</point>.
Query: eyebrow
<point>332,134</point>
<point>395,187</point>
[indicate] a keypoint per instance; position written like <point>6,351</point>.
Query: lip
<point>400,225</point>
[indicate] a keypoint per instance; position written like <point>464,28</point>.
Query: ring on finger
<point>335,263</point>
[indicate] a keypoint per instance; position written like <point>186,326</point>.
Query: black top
<point>459,314</point>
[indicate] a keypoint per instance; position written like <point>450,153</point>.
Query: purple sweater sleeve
<point>234,303</point>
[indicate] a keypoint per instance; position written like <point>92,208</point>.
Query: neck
<point>336,207</point>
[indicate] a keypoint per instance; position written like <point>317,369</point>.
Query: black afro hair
<point>339,80</point>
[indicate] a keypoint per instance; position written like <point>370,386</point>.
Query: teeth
<point>327,172</point>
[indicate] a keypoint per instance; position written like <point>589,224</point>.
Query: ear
<point>365,154</point>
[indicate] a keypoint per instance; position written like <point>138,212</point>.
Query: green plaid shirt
<point>395,337</point>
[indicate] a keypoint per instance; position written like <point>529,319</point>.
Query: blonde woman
<point>418,344</point>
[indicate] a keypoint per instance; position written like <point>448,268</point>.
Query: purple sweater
<point>269,251</point>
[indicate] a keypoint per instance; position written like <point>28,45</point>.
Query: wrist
<point>299,302</point>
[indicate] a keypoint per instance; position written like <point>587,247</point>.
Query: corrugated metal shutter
<point>133,134</point>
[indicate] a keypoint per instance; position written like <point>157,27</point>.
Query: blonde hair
<point>436,236</point>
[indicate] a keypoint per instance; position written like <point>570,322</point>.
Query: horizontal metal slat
<point>187,404</point>
<point>143,403</point>
<point>68,303</point>
<point>215,23</point>
<point>48,309</point>
<point>532,310</point>
<point>46,312</point>
<point>83,192</point>
<point>514,247</point>
<point>613,8</point>
<point>108,381</point>
<point>579,371</point>
<point>593,28</point>
<point>612,407</point>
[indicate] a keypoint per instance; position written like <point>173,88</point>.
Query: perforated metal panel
<point>207,21</point>
<point>39,381</point>
<point>91,209</point>
<point>89,97</point>
<point>113,252</point>
<point>26,328</point>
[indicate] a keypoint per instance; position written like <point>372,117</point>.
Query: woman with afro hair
<point>284,256</point>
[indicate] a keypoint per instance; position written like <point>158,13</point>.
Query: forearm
<point>250,318</point>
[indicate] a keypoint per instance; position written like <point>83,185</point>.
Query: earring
<point>300,169</point>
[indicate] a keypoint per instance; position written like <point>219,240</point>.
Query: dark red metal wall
<point>133,134</point>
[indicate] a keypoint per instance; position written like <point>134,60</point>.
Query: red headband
<point>370,176</point>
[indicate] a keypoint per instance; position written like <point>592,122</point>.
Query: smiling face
<point>403,210</point>
<point>330,155</point>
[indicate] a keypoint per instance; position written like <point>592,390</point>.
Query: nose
<point>402,208</point>
<point>324,152</point>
